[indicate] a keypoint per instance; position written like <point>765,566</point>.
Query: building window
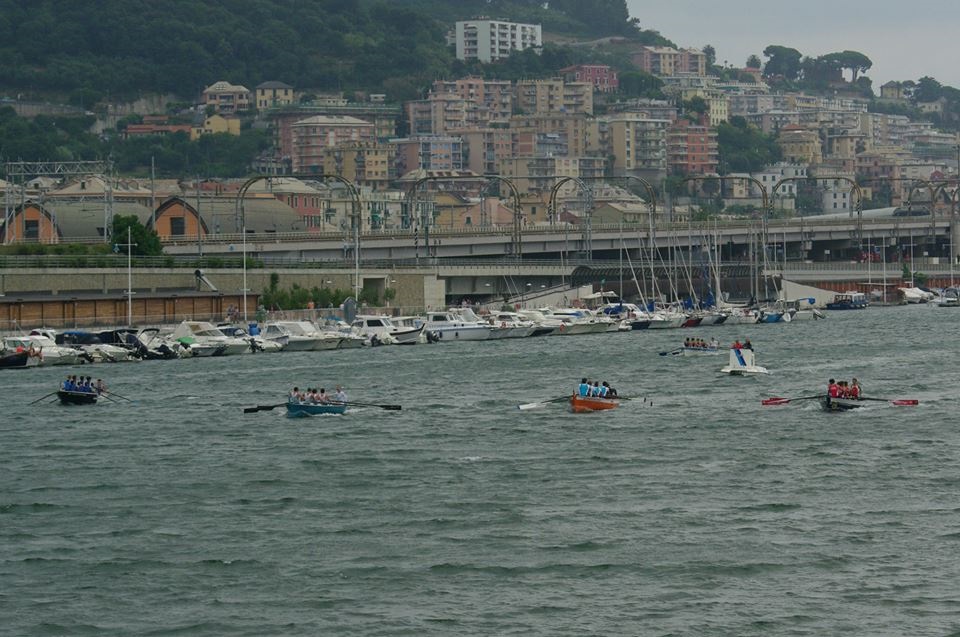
<point>177,226</point>
<point>31,229</point>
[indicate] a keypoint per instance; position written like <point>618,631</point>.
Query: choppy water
<point>705,514</point>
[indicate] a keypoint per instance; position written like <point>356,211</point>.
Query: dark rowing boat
<point>76,397</point>
<point>839,404</point>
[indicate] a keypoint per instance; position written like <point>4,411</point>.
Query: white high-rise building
<point>490,40</point>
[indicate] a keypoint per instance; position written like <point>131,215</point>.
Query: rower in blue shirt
<point>583,389</point>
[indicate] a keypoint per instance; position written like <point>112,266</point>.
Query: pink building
<point>603,78</point>
<point>312,136</point>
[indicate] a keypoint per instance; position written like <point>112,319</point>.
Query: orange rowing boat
<point>585,404</point>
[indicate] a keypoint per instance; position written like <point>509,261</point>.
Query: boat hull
<point>300,410</point>
<point>76,397</point>
<point>587,404</point>
<point>700,351</point>
<point>839,404</point>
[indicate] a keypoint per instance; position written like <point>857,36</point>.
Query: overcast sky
<point>905,40</point>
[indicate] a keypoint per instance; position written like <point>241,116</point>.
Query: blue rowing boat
<point>299,410</point>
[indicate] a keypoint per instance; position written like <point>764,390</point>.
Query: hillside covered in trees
<point>115,49</point>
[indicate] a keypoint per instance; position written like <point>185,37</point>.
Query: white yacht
<point>380,330</point>
<point>46,350</point>
<point>204,339</point>
<point>448,326</point>
<point>306,330</point>
<point>257,342</point>
<point>576,321</point>
<point>93,347</point>
<point>293,338</point>
<point>516,325</point>
<point>545,325</point>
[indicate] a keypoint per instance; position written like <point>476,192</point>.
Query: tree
<point>640,84</point>
<point>753,62</point>
<point>927,90</point>
<point>745,148</point>
<point>711,54</point>
<point>146,241</point>
<point>855,61</point>
<point>782,61</point>
<point>696,107</point>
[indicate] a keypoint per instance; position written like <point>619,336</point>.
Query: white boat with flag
<point>742,363</point>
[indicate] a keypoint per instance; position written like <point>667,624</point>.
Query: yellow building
<point>365,164</point>
<point>800,146</point>
<point>225,97</point>
<point>214,124</point>
<point>270,94</point>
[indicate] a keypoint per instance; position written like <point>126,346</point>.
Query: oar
<point>42,397</point>
<point>901,402</point>
<point>253,410</point>
<point>776,400</point>
<point>113,393</point>
<point>527,406</point>
<point>104,395</point>
<point>673,352</point>
<point>351,403</point>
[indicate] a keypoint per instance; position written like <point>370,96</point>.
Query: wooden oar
<point>253,410</point>
<point>113,393</point>
<point>42,397</point>
<point>352,403</point>
<point>900,402</point>
<point>527,406</point>
<point>776,400</point>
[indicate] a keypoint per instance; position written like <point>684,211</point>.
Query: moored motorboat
<point>854,301</point>
<point>298,410</point>
<point>76,397</point>
<point>586,404</point>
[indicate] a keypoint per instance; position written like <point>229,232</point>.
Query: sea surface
<point>691,510</point>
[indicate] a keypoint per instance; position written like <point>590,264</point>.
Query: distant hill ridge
<point>118,48</point>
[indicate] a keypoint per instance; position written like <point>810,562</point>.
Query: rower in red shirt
<point>833,390</point>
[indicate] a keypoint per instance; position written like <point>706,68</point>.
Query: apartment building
<point>638,144</point>
<point>574,127</point>
<point>490,40</point>
<point>539,174</point>
<point>226,98</point>
<point>772,122</point>
<point>271,94</point>
<point>662,60</point>
<point>692,149</point>
<point>554,96</point>
<point>484,147</point>
<point>311,136</point>
<point>495,96</point>
<point>800,146</point>
<point>428,152</point>
<point>369,165</point>
<point>603,78</point>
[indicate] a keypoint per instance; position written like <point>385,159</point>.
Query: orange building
<point>31,222</point>
<point>177,218</point>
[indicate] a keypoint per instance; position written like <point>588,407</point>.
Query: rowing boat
<point>839,404</point>
<point>586,404</point>
<point>298,410</point>
<point>76,397</point>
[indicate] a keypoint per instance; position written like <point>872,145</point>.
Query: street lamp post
<point>129,244</point>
